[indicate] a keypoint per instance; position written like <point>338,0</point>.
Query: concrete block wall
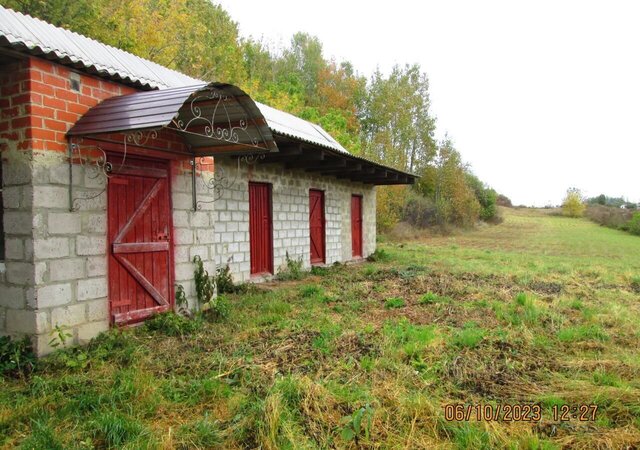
<point>192,230</point>
<point>290,200</point>
<point>55,264</point>
<point>55,269</point>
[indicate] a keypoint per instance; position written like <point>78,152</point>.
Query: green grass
<point>394,302</point>
<point>539,309</point>
<point>469,336</point>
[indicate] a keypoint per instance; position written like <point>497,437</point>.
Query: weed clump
<point>469,337</point>
<point>292,270</point>
<point>522,311</point>
<point>378,256</point>
<point>430,298</point>
<point>310,291</point>
<point>16,356</point>
<point>172,324</point>
<point>394,302</point>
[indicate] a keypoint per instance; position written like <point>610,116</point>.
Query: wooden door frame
<point>270,208</point>
<point>361,255</point>
<point>324,229</point>
<point>136,171</point>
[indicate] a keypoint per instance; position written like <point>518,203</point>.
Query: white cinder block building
<point>116,172</point>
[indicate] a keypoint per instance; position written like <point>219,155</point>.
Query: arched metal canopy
<point>213,119</point>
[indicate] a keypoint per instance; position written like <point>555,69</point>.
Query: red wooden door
<point>356,226</point>
<point>316,226</point>
<point>140,244</point>
<point>260,237</point>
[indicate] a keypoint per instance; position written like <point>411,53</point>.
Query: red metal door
<point>140,244</point>
<point>316,226</point>
<point>260,237</point>
<point>356,226</point>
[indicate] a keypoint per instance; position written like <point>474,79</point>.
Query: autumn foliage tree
<point>573,203</point>
<point>385,118</point>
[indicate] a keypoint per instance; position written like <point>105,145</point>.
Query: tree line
<point>383,117</point>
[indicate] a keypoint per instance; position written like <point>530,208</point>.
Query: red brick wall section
<point>55,107</point>
<point>38,108</point>
<point>15,101</point>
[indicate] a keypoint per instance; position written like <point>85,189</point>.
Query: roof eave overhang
<point>326,161</point>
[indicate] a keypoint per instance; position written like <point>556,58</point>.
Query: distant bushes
<point>608,216</point>
<point>634,224</point>
<point>503,200</point>
<point>419,211</point>
<point>617,218</point>
<point>447,194</point>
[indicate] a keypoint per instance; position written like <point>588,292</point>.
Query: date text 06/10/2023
<point>506,412</point>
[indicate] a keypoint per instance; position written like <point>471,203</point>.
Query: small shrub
<point>394,302</point>
<point>224,280</point>
<point>181,300</point>
<point>205,286</point>
<point>354,426</point>
<point>218,308</point>
<point>292,269</point>
<point>173,324</point>
<point>59,336</point>
<point>419,211</point>
<point>215,305</point>
<point>16,356</point>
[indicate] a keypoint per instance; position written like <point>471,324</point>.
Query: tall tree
<point>397,126</point>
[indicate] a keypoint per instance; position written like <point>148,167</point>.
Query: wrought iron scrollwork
<point>96,167</point>
<point>217,124</point>
<point>218,180</point>
<point>99,167</point>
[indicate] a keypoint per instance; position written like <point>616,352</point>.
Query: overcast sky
<point>538,96</point>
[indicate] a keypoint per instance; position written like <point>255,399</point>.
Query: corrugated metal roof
<point>291,126</point>
<point>26,33</point>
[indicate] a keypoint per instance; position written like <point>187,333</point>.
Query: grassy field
<point>538,310</point>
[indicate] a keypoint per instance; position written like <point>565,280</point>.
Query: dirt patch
<point>546,287</point>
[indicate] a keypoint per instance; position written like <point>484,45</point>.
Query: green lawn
<point>538,310</point>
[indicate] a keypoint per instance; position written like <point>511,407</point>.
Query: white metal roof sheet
<point>26,33</point>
